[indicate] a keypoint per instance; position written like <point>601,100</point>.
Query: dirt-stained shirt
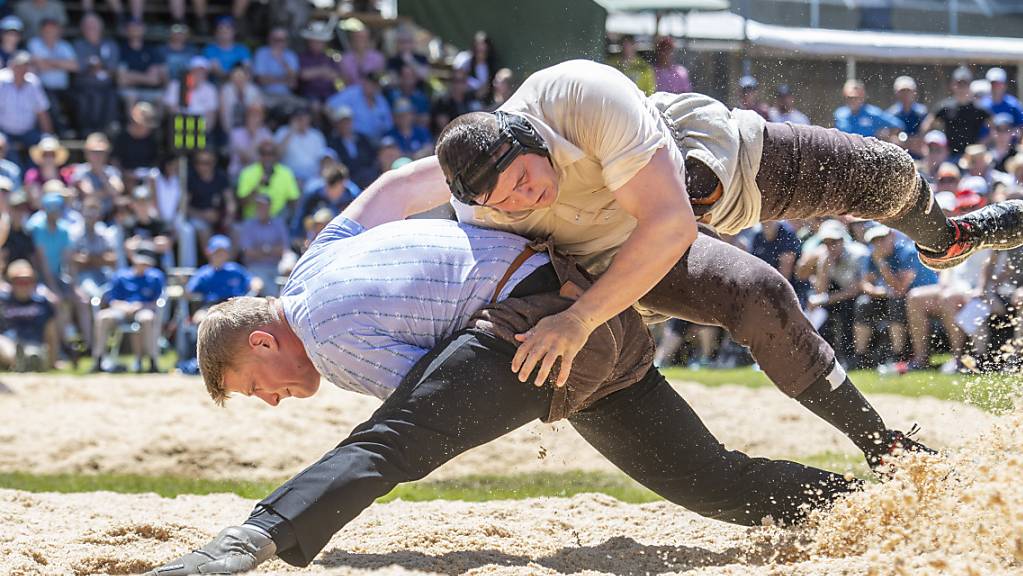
<point>601,130</point>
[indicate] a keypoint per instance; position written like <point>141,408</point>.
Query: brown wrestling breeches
<point>805,172</point>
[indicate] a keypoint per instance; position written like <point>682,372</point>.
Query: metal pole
<point>953,16</point>
<point>815,13</point>
<point>850,69</point>
<point>182,201</point>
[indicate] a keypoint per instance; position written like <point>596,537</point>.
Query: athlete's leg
<point>653,435</point>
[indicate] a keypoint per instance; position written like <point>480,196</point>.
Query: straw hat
<point>48,144</point>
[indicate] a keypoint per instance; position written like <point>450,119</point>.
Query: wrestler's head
<point>246,346</point>
<point>496,161</point>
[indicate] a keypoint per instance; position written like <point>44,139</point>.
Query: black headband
<point>521,138</point>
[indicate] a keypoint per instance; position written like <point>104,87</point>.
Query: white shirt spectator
<point>793,116</point>
<point>204,102</point>
<point>19,107</point>
<point>303,151</point>
<point>168,197</point>
<point>62,50</point>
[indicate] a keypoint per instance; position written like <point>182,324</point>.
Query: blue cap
<point>403,106</point>
<point>218,242</point>
<point>11,24</point>
<point>53,202</point>
<point>748,82</point>
<point>226,20</point>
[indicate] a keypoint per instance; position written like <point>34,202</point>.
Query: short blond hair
<point>222,333</point>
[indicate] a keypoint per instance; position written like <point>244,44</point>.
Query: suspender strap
<point>517,263</point>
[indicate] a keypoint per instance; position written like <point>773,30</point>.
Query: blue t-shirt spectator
<point>1009,105</point>
<point>370,121</point>
<point>228,58</point>
<point>419,100</point>
<point>54,243</point>
<point>127,286</point>
<point>902,258</point>
<point>139,60</point>
<point>770,251</point>
<point>219,284</point>
<point>911,118</point>
<point>178,60</point>
<point>868,121</point>
<point>413,142</point>
<point>265,64</point>
<point>25,320</point>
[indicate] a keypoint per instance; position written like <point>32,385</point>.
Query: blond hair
<point>222,333</point>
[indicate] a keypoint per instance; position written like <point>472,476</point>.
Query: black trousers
<point>464,394</point>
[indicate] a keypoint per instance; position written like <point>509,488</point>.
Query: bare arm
<point>397,194</point>
<point>665,229</point>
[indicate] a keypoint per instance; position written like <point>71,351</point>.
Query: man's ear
<point>262,339</point>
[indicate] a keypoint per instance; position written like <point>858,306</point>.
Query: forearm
<point>397,194</point>
<point>636,268</point>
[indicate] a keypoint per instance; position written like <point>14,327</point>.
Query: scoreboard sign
<point>187,132</point>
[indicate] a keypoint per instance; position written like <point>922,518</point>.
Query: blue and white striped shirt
<point>368,304</point>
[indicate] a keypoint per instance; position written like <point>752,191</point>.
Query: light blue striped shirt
<point>367,304</point>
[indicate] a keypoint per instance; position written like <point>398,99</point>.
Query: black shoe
<point>153,367</point>
<point>894,443</point>
<point>997,226</point>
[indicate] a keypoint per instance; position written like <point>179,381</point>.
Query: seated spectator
<point>35,13</point>
<point>935,154</point>
<point>947,179</point>
<point>859,117</point>
<point>1014,167</point>
<point>202,97</point>
<point>52,236</point>
<point>24,107</point>
<point>275,67</point>
<point>387,154</point>
<point>301,146</point>
<point>18,243</point>
<point>410,137</point>
<point>336,193</point>
<point>458,100</point>
<point>92,260</point>
<point>960,117</point>
<point>784,107</point>
<point>371,114</point>
<point>1000,290</point>
<point>243,141</point>
<point>211,203</point>
<point>504,87</point>
<point>263,240</point>
<point>319,73</point>
<point>890,273</point>
<point>237,95</point>
<point>480,65</point>
<point>50,158</point>
<point>141,74</point>
<point>165,188</point>
<point>219,280</point>
<point>749,97</point>
<point>225,52</point>
<point>29,339</point>
<point>96,177</point>
<point>315,224</point>
<point>145,227</point>
<point>137,146</point>
<point>8,169</point>
<point>407,88</point>
<point>178,52</point>
<point>628,61</point>
<point>834,264</point>
<point>133,296</point>
<point>777,244</point>
<point>1002,146</point>
<point>55,60</point>
<point>906,108</point>
<point>269,178</point>
<point>361,60</point>
<point>406,55</point>
<point>669,75</point>
<point>95,93</point>
<point>978,161</point>
<point>354,150</point>
<point>11,32</point>
<point>1000,101</point>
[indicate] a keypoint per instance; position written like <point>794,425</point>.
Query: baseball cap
<point>226,20</point>
<point>936,137</point>
<point>6,184</point>
<point>875,232</point>
<point>20,58</point>
<point>962,74</point>
<point>905,83</point>
<point>1002,119</point>
<point>20,269</point>
<point>11,24</point>
<point>748,82</point>
<point>783,90</point>
<point>403,106</point>
<point>198,62</point>
<point>388,142</point>
<point>141,192</point>
<point>996,75</point>
<point>948,170</point>
<point>218,242</point>
<point>52,202</point>
<point>832,230</point>
<point>341,112</point>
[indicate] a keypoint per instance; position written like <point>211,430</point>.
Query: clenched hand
<point>562,336</point>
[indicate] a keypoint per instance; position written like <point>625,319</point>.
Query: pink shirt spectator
<point>243,145</point>
<point>674,79</point>
<point>354,67</point>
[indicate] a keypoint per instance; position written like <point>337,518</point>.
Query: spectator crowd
<point>108,233</point>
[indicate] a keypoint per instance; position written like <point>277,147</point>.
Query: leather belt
<point>517,263</point>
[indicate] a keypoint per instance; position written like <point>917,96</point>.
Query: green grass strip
<point>991,392</point>
<point>470,488</point>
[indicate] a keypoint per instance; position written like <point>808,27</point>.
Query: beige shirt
<point>601,130</point>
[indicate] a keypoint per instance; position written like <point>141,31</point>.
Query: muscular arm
<point>397,194</point>
<point>665,229</point>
